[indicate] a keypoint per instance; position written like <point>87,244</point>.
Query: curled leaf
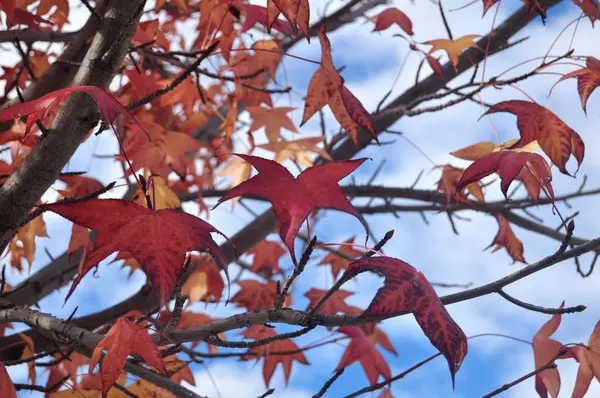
<point>407,290</point>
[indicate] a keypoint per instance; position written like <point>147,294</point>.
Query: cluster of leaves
<point>158,139</point>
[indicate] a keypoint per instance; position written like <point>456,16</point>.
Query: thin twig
<point>543,310</point>
<point>298,268</point>
<point>548,365</point>
<point>328,383</point>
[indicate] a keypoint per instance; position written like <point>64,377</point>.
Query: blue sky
<point>372,61</point>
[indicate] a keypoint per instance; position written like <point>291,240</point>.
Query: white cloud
<point>244,379</point>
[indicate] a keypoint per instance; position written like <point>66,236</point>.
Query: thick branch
<point>84,342</point>
<point>53,151</point>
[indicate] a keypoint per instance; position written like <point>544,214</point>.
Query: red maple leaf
<point>588,79</point>
<point>259,332</point>
<point>254,295</point>
<point>295,11</point>
<point>509,165</point>
<point>257,14</point>
<point>537,123</point>
<point>266,257</point>
<point>407,290</point>
<point>36,109</point>
<point>123,338</point>
<point>390,16</point>
<point>363,350</point>
<point>338,262</point>
<point>205,283</point>
<point>7,388</point>
<point>377,336</point>
<point>157,239</point>
<point>448,183</point>
<point>293,199</point>
<point>334,304</point>
<point>66,368</point>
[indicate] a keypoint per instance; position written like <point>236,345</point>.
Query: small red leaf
<point>109,106</point>
<point>326,87</point>
<point>407,290</point>
<point>123,338</point>
<point>363,350</point>
<point>257,14</point>
<point>506,238</point>
<point>260,332</point>
<point>266,257</point>
<point>7,388</point>
<point>254,295</point>
<point>544,349</point>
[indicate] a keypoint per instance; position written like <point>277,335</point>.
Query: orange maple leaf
<point>302,150</point>
<point>143,388</point>
<point>80,236</point>
<point>377,335</point>
<point>259,332</point>
<point>588,79</point>
<point>65,368</point>
<point>448,183</point>
<point>178,370</point>
<point>167,150</point>
<point>238,170</point>
<point>205,283</point>
<point>326,87</point>
<point>22,245</point>
<point>267,56</point>
<point>28,352</point>
<point>7,387</point>
<point>506,238</point>
<point>297,12</point>
<point>266,257</point>
<point>339,263</point>
<point>334,304</point>
<point>272,119</point>
<point>123,338</point>
<point>454,48</point>
<point>363,350</point>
